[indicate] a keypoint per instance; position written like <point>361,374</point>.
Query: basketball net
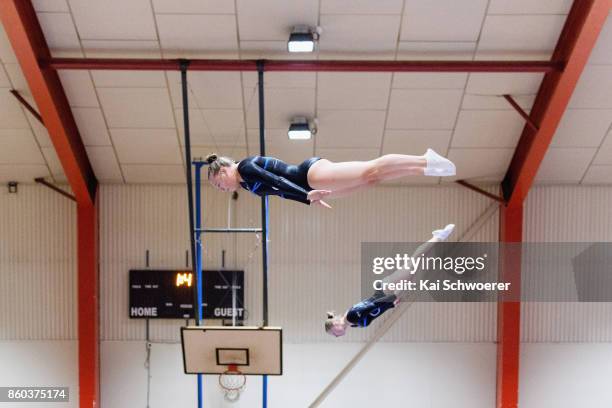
<point>232,381</point>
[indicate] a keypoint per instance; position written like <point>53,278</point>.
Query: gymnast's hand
<point>320,203</point>
<point>315,195</point>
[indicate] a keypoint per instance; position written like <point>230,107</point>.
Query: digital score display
<point>169,294</point>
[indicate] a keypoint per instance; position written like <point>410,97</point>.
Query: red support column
<point>509,312</point>
<point>581,30</point>
<point>89,367</point>
<point>26,37</point>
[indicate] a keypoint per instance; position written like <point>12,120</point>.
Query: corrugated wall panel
<point>37,265</point>
<point>314,255</point>
<point>568,214</point>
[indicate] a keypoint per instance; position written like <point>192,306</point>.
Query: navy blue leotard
<point>270,176</point>
<point>364,312</point>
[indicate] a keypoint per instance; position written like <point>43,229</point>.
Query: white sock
<point>444,233</point>
<point>438,165</point>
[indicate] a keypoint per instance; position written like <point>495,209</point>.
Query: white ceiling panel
<point>564,165</point>
<point>143,173</point>
<point>39,131</point>
<point>214,90</point>
<point>423,109</point>
<point>282,105</point>
<point>426,80</point>
<point>602,53</point>
<point>114,19</point>
<point>79,88</point>
<point>351,154</point>
<point>136,107</point>
<point>22,173</point>
<point>17,79</point>
<point>129,79</point>
<point>121,49</point>
<point>54,6</point>
<point>4,79</point>
<point>519,36</point>
<point>442,20</point>
<point>212,127</point>
<point>146,146</point>
<point>497,102</point>
<point>104,163</point>
<point>529,6</point>
<point>488,128</point>
<point>481,164</point>
<point>19,146</point>
<point>198,35</point>
<point>274,19</point>
<point>91,126</point>
<point>593,88</point>
<point>281,80</point>
<point>424,50</point>
<point>350,129</point>
<point>604,155</point>
<point>342,35</point>
<point>194,6</point>
<point>582,128</point>
<point>6,50</point>
<point>60,34</point>
<point>361,7</point>
<point>200,152</point>
<point>598,175</point>
<point>353,90</point>
<point>501,84</point>
<point>11,115</point>
<point>54,164</point>
<point>416,142</point>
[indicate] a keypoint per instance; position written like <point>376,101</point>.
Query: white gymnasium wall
<point>37,265</point>
<point>439,355</point>
<point>435,375</point>
<point>314,255</point>
<point>38,320</point>
<point>567,214</point>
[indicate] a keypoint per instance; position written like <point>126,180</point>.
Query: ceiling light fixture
<point>301,128</point>
<point>303,39</point>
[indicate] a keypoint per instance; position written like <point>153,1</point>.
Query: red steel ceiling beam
<point>293,65</point>
<point>28,42</point>
<point>581,30</point>
<point>23,30</point>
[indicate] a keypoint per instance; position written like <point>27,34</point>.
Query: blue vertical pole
<point>198,225</point>
<point>264,214</point>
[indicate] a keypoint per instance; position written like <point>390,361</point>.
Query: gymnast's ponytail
<point>216,162</point>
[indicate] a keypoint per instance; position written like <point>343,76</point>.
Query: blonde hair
<point>329,323</point>
<point>216,162</point>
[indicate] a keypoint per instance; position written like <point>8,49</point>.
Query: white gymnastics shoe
<point>444,233</point>
<point>438,165</point>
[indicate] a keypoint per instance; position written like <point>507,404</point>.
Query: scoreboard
<point>169,294</point>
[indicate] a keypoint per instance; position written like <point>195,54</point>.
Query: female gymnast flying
<point>315,179</point>
<point>364,312</point>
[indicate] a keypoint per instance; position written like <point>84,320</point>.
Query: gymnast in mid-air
<point>317,179</point>
<point>365,312</point>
